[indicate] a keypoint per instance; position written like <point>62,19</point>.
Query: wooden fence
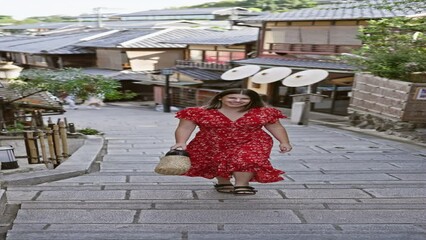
<point>48,145</point>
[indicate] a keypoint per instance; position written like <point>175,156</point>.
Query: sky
<point>21,9</point>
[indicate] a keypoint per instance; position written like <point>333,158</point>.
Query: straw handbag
<point>175,162</point>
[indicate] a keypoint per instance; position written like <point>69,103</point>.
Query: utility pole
<point>98,16</point>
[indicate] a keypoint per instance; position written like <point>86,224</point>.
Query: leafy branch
<point>71,81</point>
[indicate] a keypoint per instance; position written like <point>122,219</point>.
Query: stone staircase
<point>338,186</point>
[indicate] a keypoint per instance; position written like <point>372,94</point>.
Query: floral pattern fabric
<point>222,146</point>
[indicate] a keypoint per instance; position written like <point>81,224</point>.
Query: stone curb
<point>78,164</point>
<point>370,132</point>
<point>3,201</point>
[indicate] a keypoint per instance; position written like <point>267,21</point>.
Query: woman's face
<point>235,100</point>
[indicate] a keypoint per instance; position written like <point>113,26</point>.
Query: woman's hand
<point>179,145</point>
<point>285,147</point>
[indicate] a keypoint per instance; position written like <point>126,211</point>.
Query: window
<point>237,55</point>
<point>223,57</point>
<point>211,56</point>
<point>196,55</point>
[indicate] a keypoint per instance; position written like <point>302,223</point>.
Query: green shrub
<point>89,131</point>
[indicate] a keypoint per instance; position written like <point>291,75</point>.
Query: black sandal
<point>224,188</point>
<point>244,190</point>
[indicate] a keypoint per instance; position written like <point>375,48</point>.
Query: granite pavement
<point>340,184</point>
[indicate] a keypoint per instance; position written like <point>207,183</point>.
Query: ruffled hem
<point>268,177</point>
<point>260,177</point>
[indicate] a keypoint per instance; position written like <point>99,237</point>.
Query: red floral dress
<point>222,146</point>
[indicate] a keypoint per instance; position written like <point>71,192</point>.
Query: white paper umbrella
<point>271,75</point>
<point>240,72</point>
<point>305,78</point>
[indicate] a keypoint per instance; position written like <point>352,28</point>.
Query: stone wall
<point>389,106</point>
<point>387,99</point>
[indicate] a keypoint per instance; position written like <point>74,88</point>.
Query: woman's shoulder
<point>190,113</point>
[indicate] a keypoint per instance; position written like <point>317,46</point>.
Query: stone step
<point>208,193</point>
<point>223,216</point>
<point>292,204</point>
<point>220,227</point>
<point>3,201</point>
<point>203,185</point>
<point>210,235</point>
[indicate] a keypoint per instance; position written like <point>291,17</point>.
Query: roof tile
<point>297,63</point>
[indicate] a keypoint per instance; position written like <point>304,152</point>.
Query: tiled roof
<point>115,39</point>
<point>143,38</point>
<point>210,79</point>
<point>231,37</point>
<point>335,12</point>
<point>71,50</point>
<point>101,72</point>
<point>133,75</point>
<point>57,43</point>
<point>13,38</point>
<point>200,74</point>
<point>186,11</point>
<point>105,24</point>
<point>296,63</point>
<point>120,25</point>
<point>56,25</point>
<point>39,100</point>
<point>160,38</point>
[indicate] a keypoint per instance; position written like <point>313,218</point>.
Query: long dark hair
<point>255,99</point>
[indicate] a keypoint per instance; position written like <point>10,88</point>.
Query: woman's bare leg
<point>222,180</point>
<point>242,178</point>
<point>224,185</point>
<point>242,186</point>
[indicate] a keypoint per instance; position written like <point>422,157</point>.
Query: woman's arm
<point>183,132</point>
<point>280,133</point>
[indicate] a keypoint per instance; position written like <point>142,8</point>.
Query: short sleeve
<point>273,115</point>
<point>191,114</point>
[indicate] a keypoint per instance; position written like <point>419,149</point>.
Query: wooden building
<point>314,38</point>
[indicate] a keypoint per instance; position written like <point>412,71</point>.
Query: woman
<point>231,141</point>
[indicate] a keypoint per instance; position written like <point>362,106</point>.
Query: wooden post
<point>49,133</point>
<point>33,120</point>
<point>47,161</point>
<point>31,147</point>
<point>63,134</point>
<point>39,119</point>
<point>57,143</point>
<point>66,123</point>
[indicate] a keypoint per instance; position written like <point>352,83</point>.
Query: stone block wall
<point>389,106</point>
<point>387,99</point>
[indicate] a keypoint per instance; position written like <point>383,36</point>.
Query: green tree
<point>6,19</point>
<point>70,80</point>
<point>416,5</point>
<point>393,48</point>
<point>262,5</point>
